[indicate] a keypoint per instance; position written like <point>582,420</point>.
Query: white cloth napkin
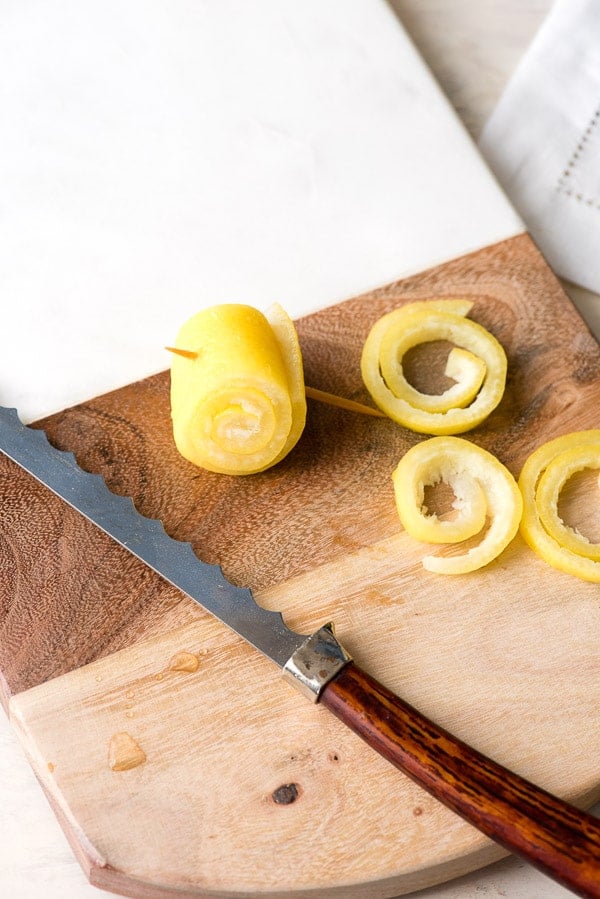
<point>543,140</point>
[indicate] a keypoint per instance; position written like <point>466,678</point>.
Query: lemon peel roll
<point>477,363</point>
<point>487,501</point>
<point>541,481</point>
<point>238,404</point>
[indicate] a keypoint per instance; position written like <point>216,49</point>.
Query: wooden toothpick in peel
<point>323,397</point>
<point>311,392</point>
<point>187,354</point>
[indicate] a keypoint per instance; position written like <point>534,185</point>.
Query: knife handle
<point>552,835</point>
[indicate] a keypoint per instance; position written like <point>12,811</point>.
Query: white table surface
<point>472,49</point>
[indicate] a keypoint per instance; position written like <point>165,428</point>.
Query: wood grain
<point>506,658</point>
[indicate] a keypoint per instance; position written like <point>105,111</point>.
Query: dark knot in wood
<point>285,794</point>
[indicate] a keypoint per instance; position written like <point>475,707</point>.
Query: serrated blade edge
<point>147,539</point>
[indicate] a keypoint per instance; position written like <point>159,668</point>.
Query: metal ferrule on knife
<point>314,664</point>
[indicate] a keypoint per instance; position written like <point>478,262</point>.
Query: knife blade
<point>556,837</point>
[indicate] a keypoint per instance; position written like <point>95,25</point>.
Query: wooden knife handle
<point>552,835</point>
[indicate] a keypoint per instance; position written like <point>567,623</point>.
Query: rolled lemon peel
<point>477,364</point>
<point>237,392</point>
<point>541,481</point>
<point>485,491</point>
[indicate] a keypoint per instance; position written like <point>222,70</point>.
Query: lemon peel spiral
<point>238,404</point>
<point>541,481</point>
<point>477,364</point>
<point>484,489</point>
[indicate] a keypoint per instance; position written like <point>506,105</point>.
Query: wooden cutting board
<point>245,788</point>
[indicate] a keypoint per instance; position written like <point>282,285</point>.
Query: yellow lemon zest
<point>237,394</point>
<point>477,364</point>
<point>484,490</point>
<point>542,478</point>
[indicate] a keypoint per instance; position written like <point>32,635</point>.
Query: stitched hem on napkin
<point>543,140</point>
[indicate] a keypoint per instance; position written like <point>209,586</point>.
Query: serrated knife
<point>554,836</point>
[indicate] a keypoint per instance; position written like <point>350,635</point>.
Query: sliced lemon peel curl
<point>477,364</point>
<point>484,489</point>
<point>542,479</point>
<point>237,393</point>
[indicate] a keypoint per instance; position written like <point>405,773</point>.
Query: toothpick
<point>333,400</point>
<point>187,354</point>
<point>311,392</point>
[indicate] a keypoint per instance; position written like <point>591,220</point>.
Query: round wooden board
<point>246,788</point>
